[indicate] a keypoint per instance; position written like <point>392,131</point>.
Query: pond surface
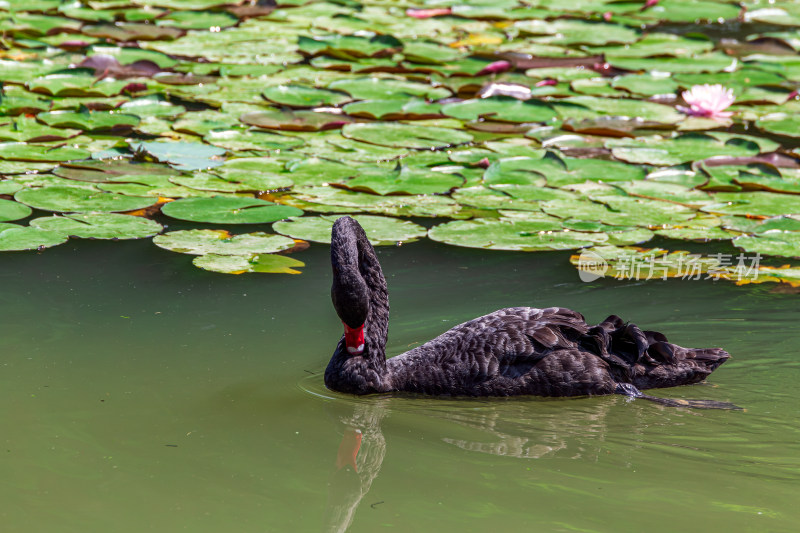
<point>142,394</point>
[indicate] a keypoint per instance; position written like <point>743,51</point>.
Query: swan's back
<point>546,352</point>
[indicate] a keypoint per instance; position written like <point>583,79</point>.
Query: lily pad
<point>302,96</point>
<point>778,243</point>
<point>296,120</point>
<point>406,135</point>
<point>89,120</point>
<point>99,226</point>
<point>682,149</point>
<point>545,233</point>
<point>18,151</point>
<point>381,231</point>
<point>501,108</point>
<point>10,210</point>
<point>405,180</point>
<point>222,210</point>
<point>238,264</point>
<point>28,238</point>
<point>79,199</point>
<point>374,88</point>
<point>754,204</point>
<point>221,242</point>
<point>183,155</point>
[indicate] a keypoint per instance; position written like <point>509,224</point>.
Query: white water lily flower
<point>708,101</point>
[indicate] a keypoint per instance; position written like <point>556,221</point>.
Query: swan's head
<point>350,296</point>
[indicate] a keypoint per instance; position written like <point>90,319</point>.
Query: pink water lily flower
<point>709,101</point>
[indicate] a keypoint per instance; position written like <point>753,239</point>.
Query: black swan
<point>514,351</point>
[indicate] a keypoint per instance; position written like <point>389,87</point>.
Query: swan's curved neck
<point>358,282</point>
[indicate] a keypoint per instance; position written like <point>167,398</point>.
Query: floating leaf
<point>381,231</point>
<point>405,135</point>
<point>301,96</point>
<point>237,264</point>
<point>34,152</point>
<point>405,180</point>
<point>754,204</point>
<point>681,149</point>
<point>373,88</point>
<point>236,140</point>
<point>183,155</point>
<point>28,238</point>
<point>296,120</point>
<point>621,211</point>
<point>222,210</point>
<point>89,120</point>
<point>27,129</point>
<point>221,242</point>
<point>508,234</point>
<point>10,210</point>
<point>501,108</point>
<point>79,199</point>
<point>99,226</point>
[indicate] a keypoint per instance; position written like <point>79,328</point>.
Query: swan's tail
<point>647,360</point>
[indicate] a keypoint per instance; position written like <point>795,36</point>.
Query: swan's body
<point>514,351</point>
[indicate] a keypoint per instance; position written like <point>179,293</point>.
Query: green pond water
<point>142,394</point>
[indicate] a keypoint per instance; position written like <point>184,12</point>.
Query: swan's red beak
<point>354,339</point>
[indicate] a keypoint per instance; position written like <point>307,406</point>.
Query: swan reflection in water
<point>509,429</point>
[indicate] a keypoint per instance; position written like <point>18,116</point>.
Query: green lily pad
<point>373,88</point>
<point>780,123</point>
<point>183,155</point>
<point>710,62</point>
<point>99,226</point>
<point>645,84</point>
<point>696,234</point>
<point>621,211</point>
<point>754,204</point>
<point>406,180</point>
<point>620,107</point>
<point>334,200</point>
<point>198,20</point>
<point>18,151</point>
<point>405,135</point>
<point>778,243</point>
<point>79,199</point>
<point>296,120</point>
<point>381,231</point>
<point>682,149</point>
<point>544,233</point>
<point>238,140</point>
<point>238,264</point>
<point>27,129</point>
<point>10,210</point>
<point>393,109</point>
<point>89,120</point>
<point>302,96</point>
<point>222,210</point>
<point>221,242</point>
<point>502,108</point>
<point>558,171</point>
<point>758,226</point>
<point>671,192</point>
<point>76,82</point>
<point>28,238</point>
